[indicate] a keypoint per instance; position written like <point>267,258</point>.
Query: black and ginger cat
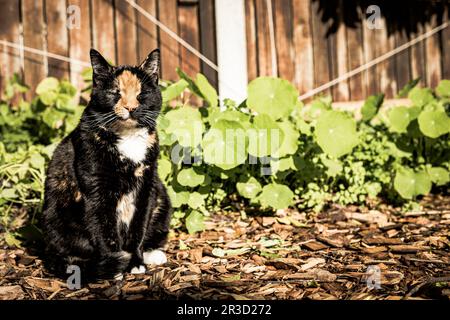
<point>105,209</point>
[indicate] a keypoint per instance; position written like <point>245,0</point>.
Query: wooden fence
<point>307,52</point>
<point>113,27</point>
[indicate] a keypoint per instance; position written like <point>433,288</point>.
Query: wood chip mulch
<point>344,253</point>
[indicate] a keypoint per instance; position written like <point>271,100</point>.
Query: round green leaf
<point>186,124</point>
<point>420,96</point>
<point>177,198</point>
<point>46,85</point>
<point>277,196</point>
<point>434,123</point>
<point>225,144</point>
<point>439,176</point>
<point>336,133</point>
<point>410,184</point>
<point>265,136</point>
<point>164,168</point>
<point>249,189</point>
<point>194,222</point>
<point>443,88</point>
<point>174,90</point>
<point>190,178</point>
<point>207,90</point>
<point>289,145</point>
<point>196,200</point>
<point>399,119</point>
<point>272,96</point>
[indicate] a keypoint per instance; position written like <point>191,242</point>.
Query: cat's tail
<point>107,267</point>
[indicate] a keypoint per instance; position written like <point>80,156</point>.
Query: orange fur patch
<point>130,88</point>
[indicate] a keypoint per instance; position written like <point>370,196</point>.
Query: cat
<point>105,207</point>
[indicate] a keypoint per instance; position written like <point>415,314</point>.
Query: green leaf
<point>53,118</point>
<point>407,88</point>
<point>164,168</point>
<point>334,167</point>
<point>410,184</point>
<point>272,96</point>
<point>194,222</point>
<point>46,85</point>
<point>174,90</point>
<point>192,85</point>
<point>249,189</point>
<point>434,123</point>
<point>186,124</point>
<point>265,136</point>
<point>8,193</point>
<point>207,90</point>
<point>177,198</point>
<point>289,145</point>
<point>283,164</point>
<point>421,96</point>
<point>190,178</point>
<point>399,119</point>
<point>443,88</point>
<point>12,241</point>
<point>277,196</point>
<point>439,176</point>
<point>371,106</point>
<point>225,144</point>
<point>196,200</point>
<point>336,133</point>
<point>37,161</point>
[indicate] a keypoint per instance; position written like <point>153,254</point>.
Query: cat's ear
<point>100,67</point>
<point>151,65</point>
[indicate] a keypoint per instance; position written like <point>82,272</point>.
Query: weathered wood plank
<point>284,35</point>
<point>147,32</point>
<point>445,38</point>
<point>126,44</point>
<point>103,29</point>
<point>167,12</point>
<point>370,52</point>
<point>355,57</point>
<point>35,66</point>
<point>208,39</point>
<point>57,37</point>
<point>385,71</point>
<point>188,26</point>
<point>80,42</point>
<point>402,60</point>
<point>417,52</point>
<point>262,29</point>
<point>320,43</point>
<point>304,58</point>
<point>9,31</point>
<point>433,54</point>
<point>252,44</point>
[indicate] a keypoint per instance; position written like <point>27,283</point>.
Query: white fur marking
<point>133,144</point>
<point>118,277</point>
<point>125,208</point>
<point>139,270</point>
<point>156,257</point>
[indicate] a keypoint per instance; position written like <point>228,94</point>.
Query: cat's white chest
<point>133,144</point>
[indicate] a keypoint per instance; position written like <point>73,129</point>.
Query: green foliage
<point>268,153</point>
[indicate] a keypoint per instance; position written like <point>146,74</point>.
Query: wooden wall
<point>309,57</point>
<point>113,27</point>
<point>307,54</point>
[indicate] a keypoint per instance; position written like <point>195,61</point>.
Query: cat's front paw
<point>155,257</point>
<point>138,270</point>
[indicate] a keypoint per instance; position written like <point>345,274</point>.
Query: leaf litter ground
<point>343,253</point>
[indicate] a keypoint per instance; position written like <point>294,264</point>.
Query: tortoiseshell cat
<point>105,209</point>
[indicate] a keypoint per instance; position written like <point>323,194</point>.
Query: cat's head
<point>125,97</point>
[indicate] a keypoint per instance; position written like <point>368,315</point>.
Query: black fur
<point>87,176</point>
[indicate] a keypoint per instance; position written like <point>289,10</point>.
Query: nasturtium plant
<point>443,88</point>
<point>194,222</point>
<point>186,124</point>
<point>371,107</point>
<point>272,96</point>
<point>265,136</point>
<point>434,123</point>
<point>249,189</point>
<point>225,144</point>
<point>336,133</point>
<point>276,196</point>
<point>207,90</point>
<point>439,175</point>
<point>421,96</point>
<point>399,119</point>
<point>190,178</point>
<point>410,184</point>
<point>174,90</point>
<point>177,198</point>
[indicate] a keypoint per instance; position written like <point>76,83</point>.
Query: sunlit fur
<point>105,205</point>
